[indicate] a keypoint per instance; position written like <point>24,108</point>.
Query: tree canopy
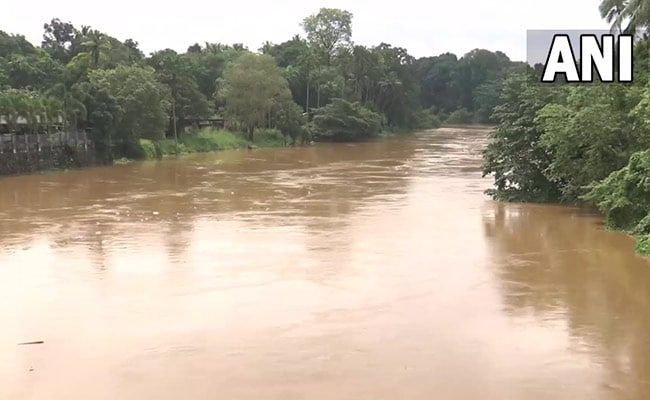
<point>109,86</point>
<point>252,73</point>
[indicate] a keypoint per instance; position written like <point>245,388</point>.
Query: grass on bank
<point>214,140</point>
<point>209,140</point>
<point>643,244</point>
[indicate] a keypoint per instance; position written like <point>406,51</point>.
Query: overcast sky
<point>423,27</point>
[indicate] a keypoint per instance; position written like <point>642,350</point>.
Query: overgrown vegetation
<point>579,143</point>
<point>208,140</point>
<point>342,120</point>
<point>460,117</point>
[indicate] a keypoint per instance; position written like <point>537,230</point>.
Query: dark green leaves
<point>345,121</point>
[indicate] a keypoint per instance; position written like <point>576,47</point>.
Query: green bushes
<point>515,156</point>
<point>426,119</point>
<point>168,147</point>
<point>460,117</point>
<point>624,197</point>
<point>643,244</point>
<point>213,140</point>
<point>269,138</point>
<point>149,150</point>
<point>342,120</point>
<point>204,141</point>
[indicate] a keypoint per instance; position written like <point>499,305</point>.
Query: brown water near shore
<point>339,271</point>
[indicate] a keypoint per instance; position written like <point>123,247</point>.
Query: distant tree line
<point>321,86</point>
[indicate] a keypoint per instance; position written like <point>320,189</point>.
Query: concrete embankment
<point>21,154</point>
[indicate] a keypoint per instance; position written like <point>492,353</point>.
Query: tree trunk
<point>307,100</point>
<point>318,95</point>
<point>251,136</point>
<point>174,123</point>
<point>109,149</point>
<point>174,93</point>
<point>66,120</point>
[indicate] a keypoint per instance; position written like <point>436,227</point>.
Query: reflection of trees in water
<point>177,238</point>
<point>312,186</point>
<point>96,243</point>
<point>558,264</point>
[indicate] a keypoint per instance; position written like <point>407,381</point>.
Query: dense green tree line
<point>579,143</point>
<point>321,86</point>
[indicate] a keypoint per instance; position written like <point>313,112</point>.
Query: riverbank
<point>204,141</point>
<point>218,140</point>
<point>469,126</point>
<point>210,140</point>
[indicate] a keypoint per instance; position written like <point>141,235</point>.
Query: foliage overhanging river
<point>339,271</point>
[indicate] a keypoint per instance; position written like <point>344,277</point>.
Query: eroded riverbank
<point>349,271</point>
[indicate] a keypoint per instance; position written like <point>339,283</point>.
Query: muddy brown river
<point>338,271</point>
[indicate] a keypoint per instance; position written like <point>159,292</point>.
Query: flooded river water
<point>338,271</point>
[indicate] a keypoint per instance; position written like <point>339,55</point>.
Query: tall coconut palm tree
<point>8,110</point>
<point>95,43</point>
<point>72,105</point>
<point>391,95</point>
<point>626,16</point>
<point>612,12</point>
<point>266,47</point>
<point>23,105</point>
<point>36,113</point>
<point>53,112</point>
